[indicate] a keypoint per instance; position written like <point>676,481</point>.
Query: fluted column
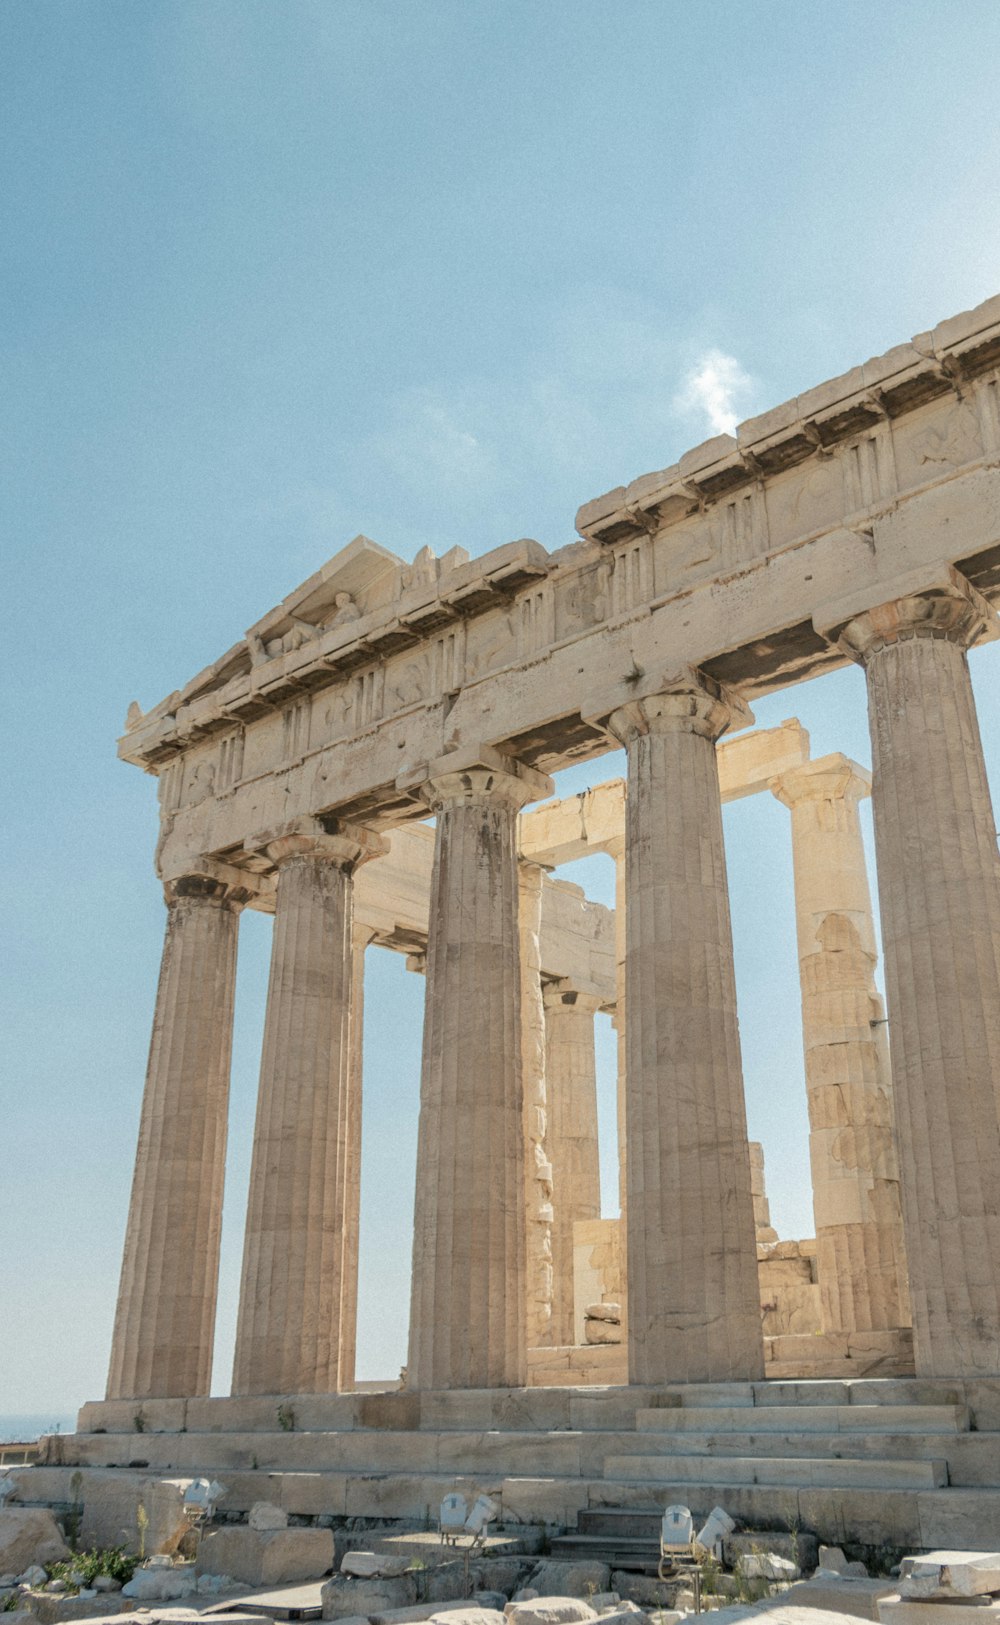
<point>165,1320</point>
<point>467,1307</point>
<point>571,1089</point>
<point>288,1334</point>
<point>855,1176</point>
<point>616,851</point>
<point>537,1167</point>
<point>362,936</point>
<point>694,1313</point>
<point>939,889</point>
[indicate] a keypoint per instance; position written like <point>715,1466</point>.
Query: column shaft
<point>693,1312</point>
<point>537,1167</point>
<point>288,1336</point>
<point>352,1216</point>
<point>165,1320</point>
<point>859,1222</point>
<point>939,886</point>
<point>571,1088</point>
<point>467,1310</point>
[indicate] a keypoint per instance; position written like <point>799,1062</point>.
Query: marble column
<point>537,1167</point>
<point>165,1320</point>
<point>467,1307</point>
<point>694,1311</point>
<point>288,1334</point>
<point>855,1177</point>
<point>362,936</point>
<point>939,890</point>
<point>616,851</point>
<point>571,1088</point>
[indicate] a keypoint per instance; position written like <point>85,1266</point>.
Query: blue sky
<point>437,270</point>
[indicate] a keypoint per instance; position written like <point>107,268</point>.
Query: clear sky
<point>278,271</point>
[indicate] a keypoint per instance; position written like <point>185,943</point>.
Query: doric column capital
<point>829,778</point>
<point>687,701</point>
<point>347,847</point>
<point>483,775</point>
<point>216,885</point>
<point>562,995</point>
<point>936,603</point>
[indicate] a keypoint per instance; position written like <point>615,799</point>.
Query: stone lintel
<point>935,598</point>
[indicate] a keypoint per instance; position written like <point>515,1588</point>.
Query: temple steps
<point>915,1462</point>
<point>970,1458</point>
<point>807,1471</point>
<point>820,1419</point>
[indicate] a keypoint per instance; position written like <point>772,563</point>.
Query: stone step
<point>972,1458</point>
<point>500,1452</point>
<point>792,1470</point>
<point>524,1409</point>
<point>820,1419</point>
<point>637,1556</point>
<point>641,1523</point>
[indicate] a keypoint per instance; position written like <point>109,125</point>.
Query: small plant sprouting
<point>142,1524</point>
<point>84,1567</point>
<point>711,1568</point>
<point>139,1420</point>
<point>286,1418</point>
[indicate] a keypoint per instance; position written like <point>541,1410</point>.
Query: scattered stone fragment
<point>549,1611</point>
<point>365,1565</point>
<point>467,1616</point>
<point>767,1566</point>
<point>555,1579</point>
<point>950,1574</point>
<point>265,1515</point>
<point>161,1583</point>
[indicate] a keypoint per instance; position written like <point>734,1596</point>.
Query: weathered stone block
<point>554,1579</point>
<point>29,1535</point>
<point>266,1557</point>
<point>111,1504</point>
<point>896,1610</point>
<point>950,1574</point>
<point>549,1611</point>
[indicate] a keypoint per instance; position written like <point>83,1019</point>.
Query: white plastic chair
<point>677,1548</point>
<point>451,1518</point>
<point>478,1522</point>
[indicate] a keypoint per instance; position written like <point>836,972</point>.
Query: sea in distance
<point>21,1429</point>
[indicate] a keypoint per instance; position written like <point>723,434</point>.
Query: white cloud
<point>428,444</point>
<point>716,386</point>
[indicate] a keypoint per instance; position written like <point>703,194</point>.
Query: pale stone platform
<point>913,1461</point>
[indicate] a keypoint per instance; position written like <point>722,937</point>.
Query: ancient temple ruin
<point>297,775</point>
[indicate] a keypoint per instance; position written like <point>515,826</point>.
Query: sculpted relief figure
<point>347,610</point>
<point>301,632</point>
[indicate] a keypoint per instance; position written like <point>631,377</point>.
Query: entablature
<point>516,651</point>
